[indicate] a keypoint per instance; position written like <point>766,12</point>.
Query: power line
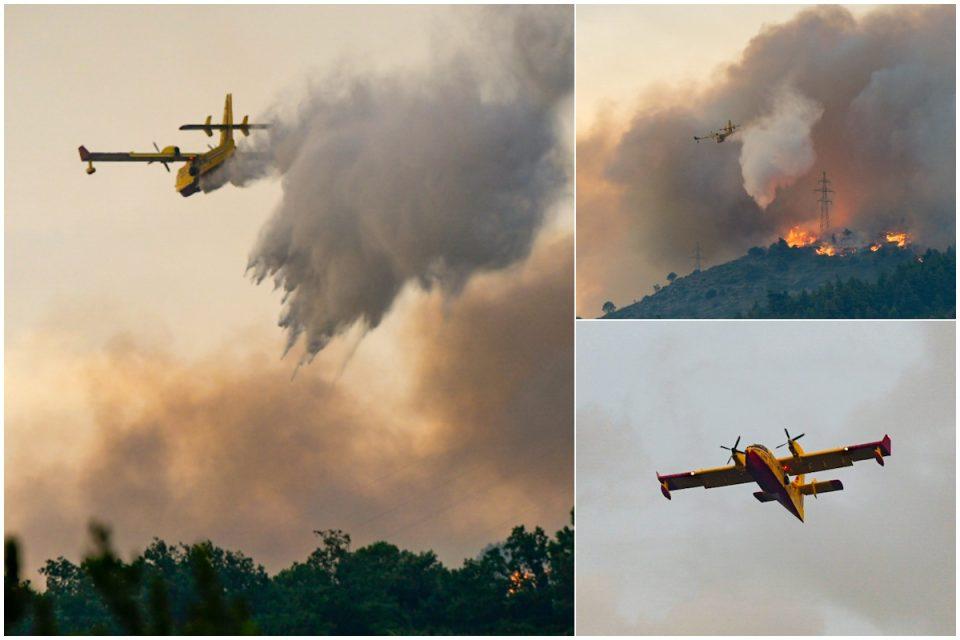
<point>824,191</point>
<point>697,257</point>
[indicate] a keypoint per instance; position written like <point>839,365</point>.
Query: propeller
<point>789,439</point>
<point>733,450</point>
<point>165,165</point>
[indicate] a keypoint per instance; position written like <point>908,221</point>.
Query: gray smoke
<point>777,148</point>
<point>886,84</point>
<point>426,177</point>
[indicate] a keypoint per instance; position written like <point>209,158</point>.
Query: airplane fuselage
<point>189,175</point>
<point>773,478</point>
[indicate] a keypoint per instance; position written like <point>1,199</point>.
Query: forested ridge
<point>778,282</point>
<point>922,288</point>
<point>523,585</point>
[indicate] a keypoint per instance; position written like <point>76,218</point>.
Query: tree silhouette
<point>523,585</point>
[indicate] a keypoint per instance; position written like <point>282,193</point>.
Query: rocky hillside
<point>730,290</point>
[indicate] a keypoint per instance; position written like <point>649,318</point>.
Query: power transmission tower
<point>697,256</point>
<point>824,191</point>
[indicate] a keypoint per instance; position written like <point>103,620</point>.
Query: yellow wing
<point>168,154</point>
<point>836,458</point>
<point>706,478</point>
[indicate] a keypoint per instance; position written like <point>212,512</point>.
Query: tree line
<point>921,288</point>
<point>521,586</point>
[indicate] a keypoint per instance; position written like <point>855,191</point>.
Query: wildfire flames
<point>798,237</point>
<point>518,580</point>
<point>899,238</point>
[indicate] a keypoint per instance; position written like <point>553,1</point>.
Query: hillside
<point>734,288</point>
<point>917,289</point>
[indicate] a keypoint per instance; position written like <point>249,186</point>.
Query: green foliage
<point>521,586</point>
<point>25,610</point>
<point>922,288</point>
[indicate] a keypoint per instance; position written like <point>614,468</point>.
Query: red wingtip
<point>885,444</point>
<point>84,154</point>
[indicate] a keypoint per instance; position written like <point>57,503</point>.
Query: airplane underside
<point>190,189</point>
<point>774,486</point>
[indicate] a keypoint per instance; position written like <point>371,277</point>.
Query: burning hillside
<point>846,243</point>
<point>870,100</point>
<point>800,262</point>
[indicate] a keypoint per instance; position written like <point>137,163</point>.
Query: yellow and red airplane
<point>720,135</point>
<point>758,464</point>
<point>198,164</point>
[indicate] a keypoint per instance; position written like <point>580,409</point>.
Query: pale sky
<point>876,558</point>
<point>625,50</point>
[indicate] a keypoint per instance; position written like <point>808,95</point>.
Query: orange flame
<point>518,579</point>
<point>798,237</point>
<point>899,238</point>
<point>826,250</point>
<point>875,247</point>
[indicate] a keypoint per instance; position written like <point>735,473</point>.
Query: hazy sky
<point>876,558</point>
<point>82,75</point>
<point>144,384</point>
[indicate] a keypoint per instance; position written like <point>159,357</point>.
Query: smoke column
<point>425,178</point>
<point>777,148</point>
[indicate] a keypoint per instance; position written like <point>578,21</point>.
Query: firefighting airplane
<point>758,464</point>
<point>720,135</point>
<point>198,164</point>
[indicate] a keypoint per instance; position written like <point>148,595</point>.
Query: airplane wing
<point>706,478</point>
<point>133,156</point>
<point>836,458</point>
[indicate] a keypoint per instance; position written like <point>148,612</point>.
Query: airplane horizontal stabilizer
<point>815,488</point>
<point>221,127</point>
<point>763,496</point>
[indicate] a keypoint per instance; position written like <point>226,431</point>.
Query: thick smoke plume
<point>886,138</point>
<point>777,148</point>
<point>223,446</point>
<point>425,177</point>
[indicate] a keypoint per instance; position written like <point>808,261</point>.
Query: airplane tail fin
<point>226,133</point>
